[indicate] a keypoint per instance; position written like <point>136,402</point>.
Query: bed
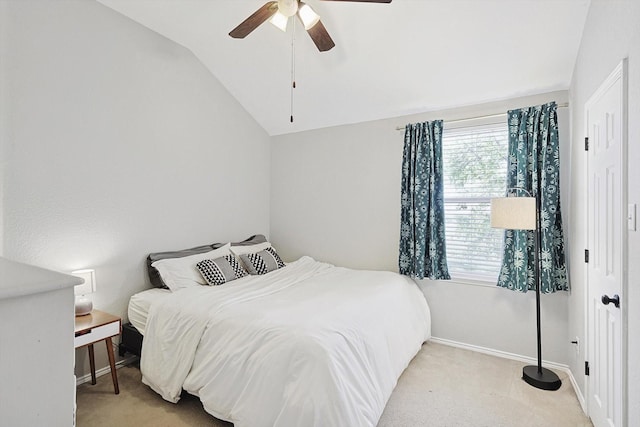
<point>309,344</point>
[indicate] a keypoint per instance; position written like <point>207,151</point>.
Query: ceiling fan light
<point>288,7</point>
<point>308,16</point>
<point>280,21</point>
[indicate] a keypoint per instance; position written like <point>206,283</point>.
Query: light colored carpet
<point>442,387</point>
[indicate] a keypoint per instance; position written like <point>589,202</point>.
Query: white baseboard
<point>106,370</point>
<point>498,353</point>
<point>579,395</point>
<point>520,358</point>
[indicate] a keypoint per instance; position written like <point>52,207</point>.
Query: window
<point>475,170</point>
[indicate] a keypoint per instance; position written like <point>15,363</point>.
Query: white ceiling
<point>390,60</point>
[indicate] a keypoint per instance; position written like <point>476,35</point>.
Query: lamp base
<point>83,306</point>
<point>546,380</point>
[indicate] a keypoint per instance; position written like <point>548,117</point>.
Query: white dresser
<point>37,386</point>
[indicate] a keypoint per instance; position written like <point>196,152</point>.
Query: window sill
<point>474,281</point>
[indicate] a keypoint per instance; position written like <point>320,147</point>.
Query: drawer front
<point>97,334</point>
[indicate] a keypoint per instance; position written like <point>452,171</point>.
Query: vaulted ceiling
<point>390,60</point>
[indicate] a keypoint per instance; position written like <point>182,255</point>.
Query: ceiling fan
<point>279,12</point>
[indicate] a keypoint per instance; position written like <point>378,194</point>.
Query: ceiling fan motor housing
<point>288,7</point>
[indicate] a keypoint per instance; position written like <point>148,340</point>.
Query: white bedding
<point>306,345</point>
<point>140,303</point>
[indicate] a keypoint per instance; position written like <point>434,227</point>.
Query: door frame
<point>619,73</point>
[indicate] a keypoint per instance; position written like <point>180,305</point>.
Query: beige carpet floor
<point>442,387</point>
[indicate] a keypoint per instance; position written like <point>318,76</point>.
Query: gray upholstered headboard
<point>154,276</point>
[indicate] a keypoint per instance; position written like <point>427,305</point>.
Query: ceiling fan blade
<point>364,1</point>
<point>321,37</point>
<point>254,21</point>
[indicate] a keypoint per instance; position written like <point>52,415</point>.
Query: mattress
<point>140,303</point>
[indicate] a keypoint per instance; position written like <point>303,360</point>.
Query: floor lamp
<point>521,213</point>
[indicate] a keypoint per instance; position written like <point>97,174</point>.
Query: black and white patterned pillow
<point>221,270</point>
<point>262,262</point>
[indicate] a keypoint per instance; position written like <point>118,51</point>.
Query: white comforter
<point>306,345</point>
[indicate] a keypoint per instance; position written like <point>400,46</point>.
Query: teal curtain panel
<point>422,234</point>
<point>534,165</point>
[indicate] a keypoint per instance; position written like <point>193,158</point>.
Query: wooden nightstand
<point>95,327</point>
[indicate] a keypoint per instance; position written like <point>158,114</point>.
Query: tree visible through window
<point>475,170</point>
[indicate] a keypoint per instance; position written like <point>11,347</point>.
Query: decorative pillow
<point>221,270</point>
<point>262,262</point>
<point>249,249</point>
<point>178,273</point>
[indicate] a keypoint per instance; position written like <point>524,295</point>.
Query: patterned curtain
<point>422,239</point>
<point>534,164</point>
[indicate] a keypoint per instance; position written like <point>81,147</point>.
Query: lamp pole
<point>537,376</point>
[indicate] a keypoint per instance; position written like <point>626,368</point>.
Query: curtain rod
<point>490,116</point>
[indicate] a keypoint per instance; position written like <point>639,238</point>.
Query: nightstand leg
<point>92,364</point>
<point>112,363</point>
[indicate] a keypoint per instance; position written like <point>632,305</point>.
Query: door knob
<point>615,300</point>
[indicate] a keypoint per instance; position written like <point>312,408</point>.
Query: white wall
<point>4,113</point>
<point>117,143</point>
<point>611,33</point>
<point>335,195</point>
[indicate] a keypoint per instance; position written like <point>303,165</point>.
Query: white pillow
<point>251,249</point>
<point>178,273</point>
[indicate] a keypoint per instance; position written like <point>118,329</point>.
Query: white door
<point>607,249</point>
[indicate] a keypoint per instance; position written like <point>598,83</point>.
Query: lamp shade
<point>308,16</point>
<point>89,285</point>
<point>513,213</point>
<point>280,21</point>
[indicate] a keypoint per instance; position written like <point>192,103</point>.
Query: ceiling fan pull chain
<point>293,64</point>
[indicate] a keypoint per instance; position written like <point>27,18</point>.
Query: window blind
<point>475,170</point>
